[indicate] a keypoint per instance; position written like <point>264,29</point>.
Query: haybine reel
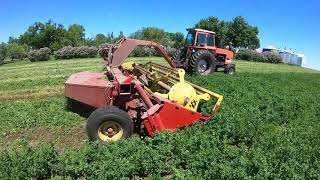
<point>135,98</point>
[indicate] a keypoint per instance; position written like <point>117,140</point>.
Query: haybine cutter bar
<point>155,97</point>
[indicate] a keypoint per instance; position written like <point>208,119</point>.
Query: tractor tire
<point>230,69</point>
<point>202,62</point>
<point>108,124</point>
<point>177,57</point>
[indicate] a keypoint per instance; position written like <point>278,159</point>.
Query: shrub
<point>146,51</point>
<point>272,57</point>
<point>251,55</point>
<point>85,51</point>
<point>66,52</point>
<point>143,52</point>
<point>16,51</point>
<point>104,49</point>
<point>42,54</point>
<point>69,52</point>
<point>170,50</point>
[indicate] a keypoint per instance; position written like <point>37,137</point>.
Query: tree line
<point>237,33</point>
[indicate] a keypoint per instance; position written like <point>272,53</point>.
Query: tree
<point>159,35</point>
<point>76,34</point>
<point>13,40</point>
<point>238,32</point>
<point>90,42</point>
<point>178,39</point>
<point>41,35</point>
<point>121,35</point>
<point>110,37</point>
<point>3,51</point>
<point>16,51</point>
<point>150,33</point>
<point>252,40</point>
<point>214,24</point>
<point>52,35</point>
<point>242,35</point>
<point>100,39</point>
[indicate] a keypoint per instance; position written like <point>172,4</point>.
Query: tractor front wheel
<point>109,124</point>
<point>202,62</point>
<point>230,69</point>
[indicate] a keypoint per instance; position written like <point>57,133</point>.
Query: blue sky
<point>292,24</point>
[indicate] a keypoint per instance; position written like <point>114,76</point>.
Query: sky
<point>294,24</point>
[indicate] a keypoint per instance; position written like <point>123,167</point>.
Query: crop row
<point>27,64</point>
<point>41,67</point>
<point>34,93</point>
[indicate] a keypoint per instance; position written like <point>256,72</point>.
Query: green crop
<point>267,127</point>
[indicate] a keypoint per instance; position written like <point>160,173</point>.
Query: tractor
<point>138,98</point>
<point>200,54</point>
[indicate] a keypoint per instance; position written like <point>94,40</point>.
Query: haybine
<point>134,98</point>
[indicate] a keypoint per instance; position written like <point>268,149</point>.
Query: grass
<point>267,127</point>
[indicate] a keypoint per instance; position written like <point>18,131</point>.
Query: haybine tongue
<point>153,96</point>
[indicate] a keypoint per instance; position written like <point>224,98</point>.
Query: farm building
<point>288,56</point>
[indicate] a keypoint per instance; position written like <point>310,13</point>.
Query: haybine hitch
<point>143,98</point>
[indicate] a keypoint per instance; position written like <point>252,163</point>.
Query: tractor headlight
<point>229,61</point>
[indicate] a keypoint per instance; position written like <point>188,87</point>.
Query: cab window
<point>210,40</point>
<point>190,39</point>
<point>201,40</point>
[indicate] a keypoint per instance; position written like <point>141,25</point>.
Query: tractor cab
<point>200,38</point>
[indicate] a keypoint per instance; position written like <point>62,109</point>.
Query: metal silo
<point>288,57</point>
<point>283,56</point>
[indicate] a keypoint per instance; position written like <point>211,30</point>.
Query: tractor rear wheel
<point>202,62</point>
<point>178,56</point>
<point>109,124</point>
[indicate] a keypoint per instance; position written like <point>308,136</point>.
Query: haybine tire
<point>230,69</point>
<point>110,117</point>
<point>199,57</point>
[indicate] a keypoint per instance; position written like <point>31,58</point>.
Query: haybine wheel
<point>202,62</point>
<point>109,124</point>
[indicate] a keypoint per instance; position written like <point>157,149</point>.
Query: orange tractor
<point>200,54</point>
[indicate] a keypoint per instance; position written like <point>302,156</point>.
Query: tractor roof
<point>200,30</point>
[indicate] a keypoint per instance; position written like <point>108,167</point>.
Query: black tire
<point>230,69</point>
<point>107,115</point>
<point>199,57</point>
<point>178,56</point>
